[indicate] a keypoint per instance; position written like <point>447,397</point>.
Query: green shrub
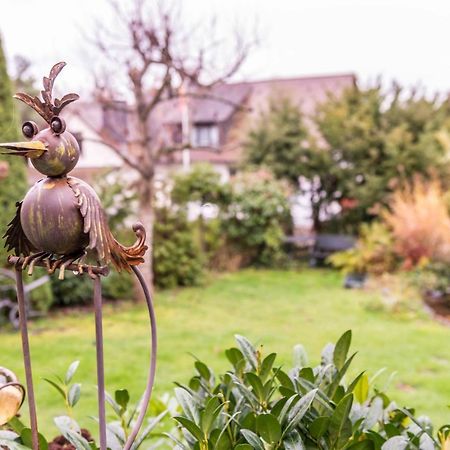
<point>259,405</point>
<point>73,290</point>
<point>177,260</point>
<point>257,219</point>
<point>118,286</point>
<point>434,278</point>
<point>14,185</point>
<point>373,253</point>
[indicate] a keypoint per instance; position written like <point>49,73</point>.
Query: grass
<point>276,308</point>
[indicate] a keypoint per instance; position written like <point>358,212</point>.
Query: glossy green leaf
<point>71,372</point>
<point>248,351</point>
<point>56,386</point>
<point>341,349</point>
<point>300,356</point>
<point>209,414</point>
<point>268,428</point>
<point>188,404</point>
<point>319,426</point>
<point>256,384</point>
<point>340,428</point>
<point>203,370</point>
<point>27,439</point>
<point>243,447</point>
<point>253,439</point>
<point>74,394</point>
<point>266,366</point>
<point>361,390</point>
<point>191,427</point>
<point>366,444</point>
<point>293,441</point>
<point>122,398</point>
<point>299,409</point>
<point>284,379</point>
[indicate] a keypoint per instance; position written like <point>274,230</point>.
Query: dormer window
<point>205,135</point>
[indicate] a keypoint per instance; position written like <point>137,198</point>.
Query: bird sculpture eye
<point>29,129</point>
<point>58,125</point>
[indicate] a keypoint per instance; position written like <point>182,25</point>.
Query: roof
<point>216,105</point>
<point>222,100</point>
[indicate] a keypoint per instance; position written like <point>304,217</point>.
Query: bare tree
<point>149,57</point>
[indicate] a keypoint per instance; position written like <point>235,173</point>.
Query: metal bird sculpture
<point>61,221</point>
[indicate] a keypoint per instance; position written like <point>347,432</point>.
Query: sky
<point>405,40</point>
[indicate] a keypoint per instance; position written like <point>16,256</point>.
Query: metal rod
<point>152,369</point>
<point>27,359</point>
<point>100,364</point>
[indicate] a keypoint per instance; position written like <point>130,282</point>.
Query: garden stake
<point>100,362</point>
<point>61,225</point>
<point>27,358</point>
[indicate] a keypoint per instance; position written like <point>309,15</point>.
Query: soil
<point>61,443</point>
<point>440,306</point>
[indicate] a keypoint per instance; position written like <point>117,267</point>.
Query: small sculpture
<point>61,220</point>
<point>12,395</point>
<point>60,224</point>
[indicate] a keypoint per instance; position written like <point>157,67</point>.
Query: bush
<point>373,252</point>
<point>434,279</point>
<point>118,286</point>
<point>420,223</point>
<point>259,405</point>
<point>72,291</point>
<point>177,260</point>
<point>257,218</point>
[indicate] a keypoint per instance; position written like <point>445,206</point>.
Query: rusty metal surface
<point>95,270</point>
<point>50,219</point>
<point>100,361</point>
<point>61,225</point>
<point>47,108</point>
<point>153,353</point>
<point>27,359</point>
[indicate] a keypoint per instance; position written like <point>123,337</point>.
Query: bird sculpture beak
<point>31,149</point>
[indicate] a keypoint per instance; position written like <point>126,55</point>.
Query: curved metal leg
<point>27,358</point>
<point>152,369</point>
<point>100,363</point>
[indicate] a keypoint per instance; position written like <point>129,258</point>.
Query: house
<point>216,121</point>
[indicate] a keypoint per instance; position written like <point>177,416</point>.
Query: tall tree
<point>362,145</point>
<point>13,181</point>
<point>282,141</point>
<point>379,140</point>
<point>150,57</point>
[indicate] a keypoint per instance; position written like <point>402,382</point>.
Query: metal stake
<point>100,364</point>
<point>152,369</point>
<point>27,358</point>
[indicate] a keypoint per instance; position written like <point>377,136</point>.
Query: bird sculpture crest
<point>61,221</point>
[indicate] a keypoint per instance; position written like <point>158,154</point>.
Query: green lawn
<point>276,308</point>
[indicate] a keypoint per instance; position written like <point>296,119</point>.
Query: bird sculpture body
<point>61,220</point>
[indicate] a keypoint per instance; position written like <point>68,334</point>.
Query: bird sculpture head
<point>53,151</point>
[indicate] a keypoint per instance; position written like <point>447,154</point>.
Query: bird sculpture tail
<point>123,257</point>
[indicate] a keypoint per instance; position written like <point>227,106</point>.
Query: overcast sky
<point>408,40</point>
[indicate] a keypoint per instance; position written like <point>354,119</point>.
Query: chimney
<point>115,120</point>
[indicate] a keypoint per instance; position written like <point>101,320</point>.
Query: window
<point>205,135</point>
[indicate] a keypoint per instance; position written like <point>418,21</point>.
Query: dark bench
<point>327,244</point>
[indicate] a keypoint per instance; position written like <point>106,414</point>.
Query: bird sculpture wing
<point>101,240</point>
<point>15,237</point>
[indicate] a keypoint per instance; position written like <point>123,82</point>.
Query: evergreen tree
<point>380,141</point>
<point>283,142</point>
<point>361,146</point>
<point>13,186</point>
